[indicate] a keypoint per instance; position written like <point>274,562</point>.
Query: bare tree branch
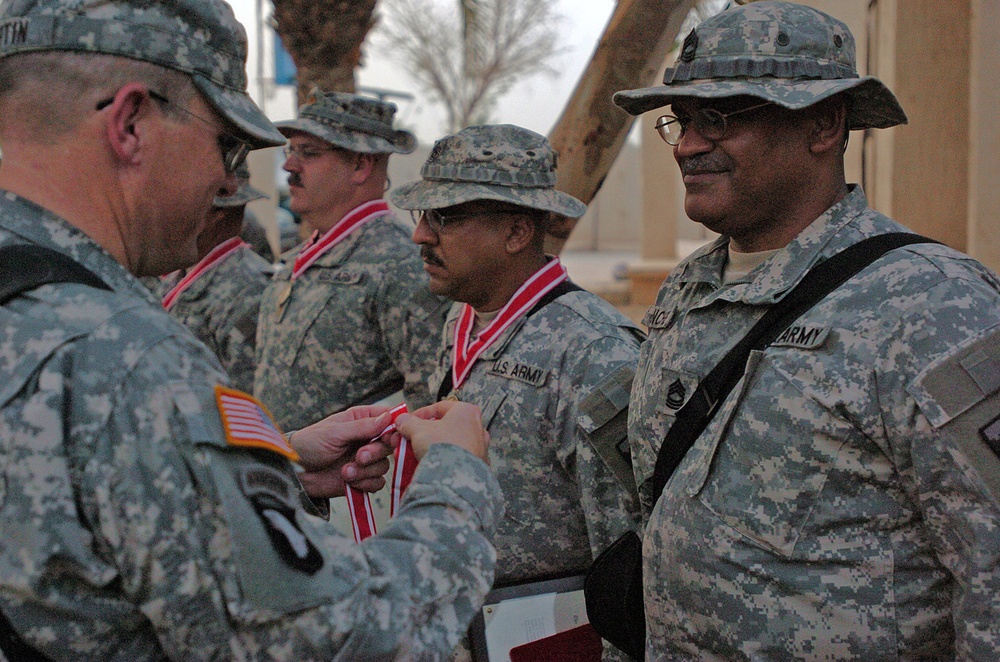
<point>468,54</point>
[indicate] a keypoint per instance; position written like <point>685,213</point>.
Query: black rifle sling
<point>23,268</point>
<point>694,416</point>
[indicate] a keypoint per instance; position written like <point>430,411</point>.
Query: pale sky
<point>535,104</point>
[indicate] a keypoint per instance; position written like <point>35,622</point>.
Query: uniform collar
<point>770,281</point>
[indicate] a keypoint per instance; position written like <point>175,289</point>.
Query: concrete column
<point>984,134</point>
<point>928,42</point>
<point>261,163</point>
<point>662,203</point>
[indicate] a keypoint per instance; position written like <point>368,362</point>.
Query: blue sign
<point>284,66</point>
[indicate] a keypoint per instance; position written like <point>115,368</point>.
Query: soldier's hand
<point>339,450</point>
<point>446,422</point>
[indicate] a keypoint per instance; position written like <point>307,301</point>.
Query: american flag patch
<point>248,424</point>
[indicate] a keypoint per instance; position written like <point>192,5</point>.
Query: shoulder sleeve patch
<point>961,381</point>
<point>247,423</point>
<point>604,417</point>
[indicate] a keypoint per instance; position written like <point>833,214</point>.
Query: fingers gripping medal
<point>359,503</point>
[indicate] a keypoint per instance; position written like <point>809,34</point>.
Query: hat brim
<point>242,112</point>
<point>432,194</point>
<point>245,194</point>
<point>403,142</point>
<point>873,105</point>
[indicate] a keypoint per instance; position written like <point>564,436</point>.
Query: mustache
<point>294,179</point>
<point>703,163</point>
<point>429,257</point>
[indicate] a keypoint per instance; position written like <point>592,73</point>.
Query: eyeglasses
<point>234,150</point>
<point>306,152</point>
<point>436,220</point>
<point>708,122</point>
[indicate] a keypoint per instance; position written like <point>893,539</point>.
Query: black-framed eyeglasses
<point>306,152</point>
<point>234,150</point>
<point>436,220</point>
<point>708,122</point>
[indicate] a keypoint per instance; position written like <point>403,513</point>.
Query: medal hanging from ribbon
<point>359,503</point>
<point>465,353</point>
<point>214,257</point>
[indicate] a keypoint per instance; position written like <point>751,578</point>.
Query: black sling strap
<point>24,267</point>
<point>822,279</point>
<point>562,288</point>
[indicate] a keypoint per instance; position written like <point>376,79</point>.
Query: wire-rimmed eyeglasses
<point>305,152</point>
<point>234,150</point>
<point>436,220</point>
<point>708,122</point>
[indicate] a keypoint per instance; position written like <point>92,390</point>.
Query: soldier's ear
<point>364,166</point>
<point>124,117</point>
<point>520,233</point>
<point>828,126</point>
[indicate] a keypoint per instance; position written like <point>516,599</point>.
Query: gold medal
<point>283,299</point>
<point>285,293</point>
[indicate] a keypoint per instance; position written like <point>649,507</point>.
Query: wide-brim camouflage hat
<point>199,37</point>
<point>351,122</point>
<point>782,52</point>
<point>502,162</point>
<point>244,194</point>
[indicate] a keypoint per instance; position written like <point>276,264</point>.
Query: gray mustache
<point>702,164</point>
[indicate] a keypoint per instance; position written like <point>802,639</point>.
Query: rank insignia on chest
<point>676,394</point>
<point>991,434</point>
<point>521,372</point>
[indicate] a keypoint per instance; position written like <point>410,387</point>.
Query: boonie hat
<point>244,194</point>
<point>785,53</point>
<point>499,162</point>
<point>199,37</point>
<point>351,122</point>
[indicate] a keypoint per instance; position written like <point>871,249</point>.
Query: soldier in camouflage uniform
<point>844,501</point>
<point>554,381</point>
<point>350,319</point>
<point>219,298</point>
<point>148,511</point>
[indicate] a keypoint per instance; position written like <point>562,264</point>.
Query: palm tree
<point>324,38</point>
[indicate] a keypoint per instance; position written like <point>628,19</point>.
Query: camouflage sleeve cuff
<point>466,479</point>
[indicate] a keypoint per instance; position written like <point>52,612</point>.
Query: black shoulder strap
<point>14,648</point>
<point>562,288</point>
<point>24,267</point>
<point>822,279</point>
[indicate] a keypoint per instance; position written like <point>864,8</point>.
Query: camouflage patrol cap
<point>351,122</point>
<point>244,194</point>
<point>781,52</point>
<point>499,162</point>
<point>198,37</point>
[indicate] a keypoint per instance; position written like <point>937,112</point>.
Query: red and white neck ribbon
<point>214,257</point>
<point>465,353</point>
<point>344,227</point>
<point>359,503</point>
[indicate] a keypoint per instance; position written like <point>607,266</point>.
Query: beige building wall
<point>984,133</point>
